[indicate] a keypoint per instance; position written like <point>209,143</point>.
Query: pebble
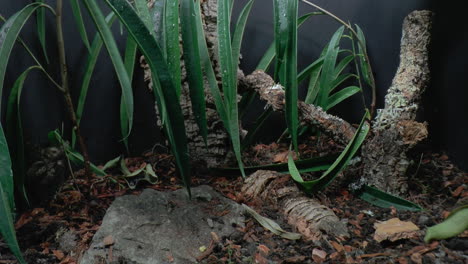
<point>423,220</point>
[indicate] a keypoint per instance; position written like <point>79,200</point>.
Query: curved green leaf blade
<point>80,23</point>
<point>9,34</point>
<point>168,100</point>
<point>229,77</point>
<point>285,12</point>
<point>129,61</point>
<point>207,67</point>
<point>114,54</point>
<point>341,95</point>
<point>91,60</point>
<point>362,59</point>
<point>15,131</point>
<point>328,68</point>
<point>270,54</point>
<point>172,41</point>
<point>141,7</point>
<point>385,200</point>
<point>455,224</point>
<point>340,163</point>
<point>342,65</point>
<point>7,229</point>
<point>239,32</point>
<point>193,66</point>
<point>41,29</point>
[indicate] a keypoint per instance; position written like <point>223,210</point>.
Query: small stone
<point>423,220</point>
<point>210,222</point>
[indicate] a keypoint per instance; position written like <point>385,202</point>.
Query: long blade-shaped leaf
<point>174,125</point>
<point>328,68</point>
<point>7,230</point>
<point>91,60</point>
<point>15,131</point>
<point>339,165</point>
<point>342,65</point>
<point>129,61</point>
<point>141,7</point>
<point>313,87</point>
<point>341,95</point>
<point>385,200</point>
<point>229,76</point>
<point>171,24</point>
<point>362,59</point>
<point>207,67</point>
<point>80,23</point>
<point>193,66</point>
<point>8,35</point>
<point>270,54</point>
<point>239,32</point>
<point>41,29</point>
<point>109,41</point>
<point>286,48</point>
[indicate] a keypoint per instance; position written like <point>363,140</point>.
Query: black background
<point>444,106</point>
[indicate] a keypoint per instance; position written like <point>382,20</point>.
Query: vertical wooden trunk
<point>395,129</point>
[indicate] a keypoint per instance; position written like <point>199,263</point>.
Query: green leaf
<point>341,95</point>
<point>313,87</point>
<point>129,61</point>
<point>313,67</point>
<point>385,200</point>
<point>286,64</point>
<point>114,54</point>
<point>305,165</point>
<point>328,68</point>
<point>193,65</point>
<point>270,54</point>
<point>229,77</point>
<point>159,26</point>
<point>91,60</point>
<point>271,225</point>
<point>75,157</point>
<point>7,205</point>
<point>239,32</point>
<point>455,224</point>
<point>141,7</point>
<point>338,81</point>
<point>338,166</point>
<point>168,101</point>
<point>80,23</point>
<point>9,34</point>
<point>252,134</point>
<point>41,29</point>
<point>362,59</point>
<point>111,163</point>
<point>208,68</point>
<point>14,131</point>
<point>172,41</point>
<point>342,65</point>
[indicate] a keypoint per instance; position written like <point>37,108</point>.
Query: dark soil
<point>59,231</point>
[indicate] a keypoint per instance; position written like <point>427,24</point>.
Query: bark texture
<point>218,140</point>
<point>307,215</point>
<point>395,129</point>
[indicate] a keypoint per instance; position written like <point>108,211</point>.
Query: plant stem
<point>371,75</point>
<point>66,89</point>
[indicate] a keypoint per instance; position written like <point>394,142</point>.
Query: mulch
<point>79,205</point>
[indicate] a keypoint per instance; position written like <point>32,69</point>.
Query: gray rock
<point>155,227</point>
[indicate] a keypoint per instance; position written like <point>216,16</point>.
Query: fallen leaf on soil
<point>338,247</point>
<point>283,157</point>
<point>373,255</point>
<point>263,249</point>
<point>318,255</point>
<point>260,259</point>
<point>394,229</point>
<point>108,241</point>
<point>416,258</point>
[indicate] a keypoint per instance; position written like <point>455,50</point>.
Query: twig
<point>66,90</point>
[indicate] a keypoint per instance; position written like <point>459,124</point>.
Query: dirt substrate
<point>60,230</point>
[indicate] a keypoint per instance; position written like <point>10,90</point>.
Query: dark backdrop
<point>381,21</point>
